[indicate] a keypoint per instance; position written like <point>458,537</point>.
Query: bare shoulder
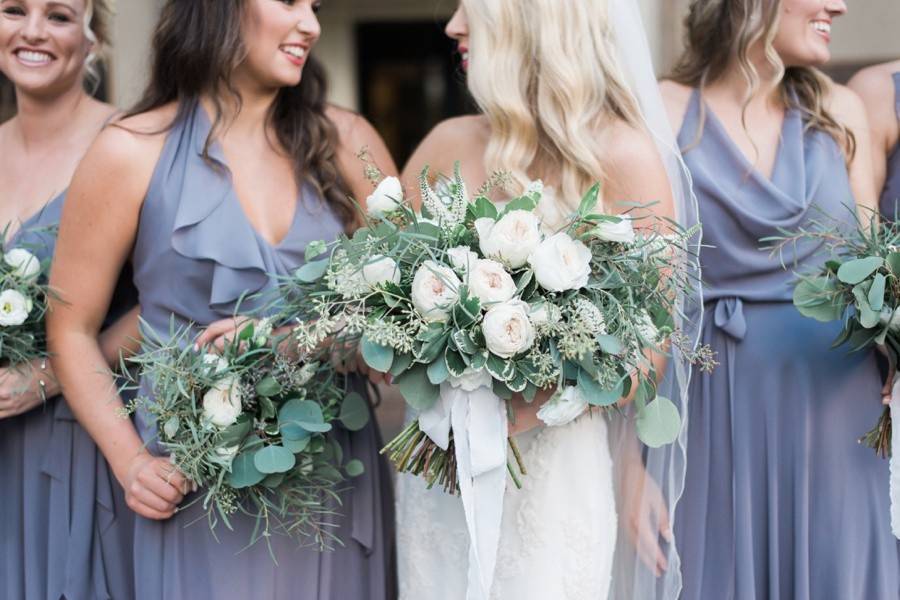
<point>355,133</point>
<point>846,106</point>
<point>461,130</point>
<point>459,138</point>
<point>676,97</point>
<point>631,148</point>
<point>876,82</point>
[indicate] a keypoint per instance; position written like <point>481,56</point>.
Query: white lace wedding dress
<point>558,535</point>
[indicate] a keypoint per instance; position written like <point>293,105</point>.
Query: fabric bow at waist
<point>729,317</point>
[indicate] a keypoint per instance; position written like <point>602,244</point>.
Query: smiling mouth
<point>297,53</point>
<point>823,28</point>
<point>34,58</point>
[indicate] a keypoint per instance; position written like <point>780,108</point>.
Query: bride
<point>567,95</point>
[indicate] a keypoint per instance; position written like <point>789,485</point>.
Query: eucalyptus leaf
<point>296,446</point>
<point>816,298</point>
<point>354,414</point>
<point>658,423</point>
<point>376,356</point>
<point>610,344</point>
<point>312,271</point>
<point>416,389</point>
<point>855,271</point>
<point>893,262</point>
<point>437,371</point>
<point>876,292</point>
<point>244,473</point>
<point>314,249</point>
<point>299,418</point>
<point>170,428</point>
<point>401,363</point>
<point>268,387</point>
<point>274,459</point>
<point>868,318</point>
<point>596,394</point>
<point>355,468</point>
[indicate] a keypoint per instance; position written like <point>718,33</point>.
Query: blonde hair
<point>544,74</point>
<point>720,32</point>
<point>97,17</point>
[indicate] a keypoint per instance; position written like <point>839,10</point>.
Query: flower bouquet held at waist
<point>250,427</point>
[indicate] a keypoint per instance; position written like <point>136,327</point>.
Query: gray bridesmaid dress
<point>65,530</point>
<point>780,501</point>
<point>195,255</point>
<point>890,195</point>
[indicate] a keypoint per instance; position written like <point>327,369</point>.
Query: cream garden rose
<point>379,270</point>
<point>622,232</point>
<point>14,308</point>
<point>24,263</point>
<point>222,403</point>
<point>512,239</point>
<point>435,289</point>
<point>461,258</point>
<point>490,283</point>
<point>507,329</point>
<point>386,197</point>
<point>563,408</point>
<point>561,263</point>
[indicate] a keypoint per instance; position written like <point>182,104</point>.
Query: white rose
<point>386,197</point>
<point>24,263</point>
<point>490,283</point>
<point>507,330</point>
<point>14,308</point>
<point>511,239</point>
<point>621,232</point>
<point>563,408</point>
<point>435,289</point>
<point>461,258</point>
<point>380,269</point>
<point>561,263</point>
<point>471,380</point>
<point>217,364</point>
<point>222,403</point>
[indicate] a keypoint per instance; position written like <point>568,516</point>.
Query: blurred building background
<point>389,60</point>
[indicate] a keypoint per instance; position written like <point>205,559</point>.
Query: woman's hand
<point>154,487</point>
<point>25,388</point>
<point>221,333</point>
<point>646,518</point>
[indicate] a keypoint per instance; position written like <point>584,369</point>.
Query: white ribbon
<point>895,456</point>
<point>479,423</point>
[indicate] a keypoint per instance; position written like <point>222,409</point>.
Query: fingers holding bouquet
<point>154,487</point>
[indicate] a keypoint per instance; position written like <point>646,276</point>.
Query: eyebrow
<point>64,5</point>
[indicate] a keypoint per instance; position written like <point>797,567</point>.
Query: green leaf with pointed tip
<point>266,408</point>
<point>268,387</point>
<point>171,426</point>
<point>483,208</point>
<point>416,389</point>
<point>816,298</point>
<point>274,459</point>
<point>658,423</point>
<point>589,201</point>
<point>855,271</point>
<point>525,203</point>
<point>893,262</point>
<point>355,468</point>
<point>876,292</point>
<point>501,390</point>
<point>354,412</point>
<point>456,364</point>
<point>377,356</point>
<point>312,271</point>
<point>244,473</point>
<point>431,350</point>
<point>235,434</point>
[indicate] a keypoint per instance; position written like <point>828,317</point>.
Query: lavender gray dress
<point>65,531</point>
<point>780,501</point>
<point>195,255</point>
<point>890,196</point>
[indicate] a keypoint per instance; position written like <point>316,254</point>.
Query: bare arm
<point>875,87</point>
<point>850,110</point>
<point>98,229</point>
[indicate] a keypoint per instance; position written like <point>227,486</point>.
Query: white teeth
<point>295,51</point>
<point>822,26</point>
<point>38,58</point>
<point>465,56</point>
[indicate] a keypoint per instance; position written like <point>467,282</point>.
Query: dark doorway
<point>8,94</point>
<point>409,80</point>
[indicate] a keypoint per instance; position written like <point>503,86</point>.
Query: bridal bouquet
<point>471,296</point>
<point>859,285</point>
<point>250,427</point>
<point>23,305</point>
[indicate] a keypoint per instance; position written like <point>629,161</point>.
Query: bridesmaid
<point>879,87</point>
<point>65,530</point>
<point>230,165</point>
<point>781,502</point>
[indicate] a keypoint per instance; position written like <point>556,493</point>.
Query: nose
<point>34,30</point>
<point>309,25</point>
<point>836,8</point>
<point>457,28</point>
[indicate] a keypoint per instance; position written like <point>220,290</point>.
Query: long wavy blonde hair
<point>721,33</point>
<point>544,73</point>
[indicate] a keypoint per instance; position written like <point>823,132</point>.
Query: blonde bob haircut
<point>545,75</point>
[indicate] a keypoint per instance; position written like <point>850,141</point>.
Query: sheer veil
<point>649,481</point>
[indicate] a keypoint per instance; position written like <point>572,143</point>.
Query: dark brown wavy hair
<point>196,47</point>
<point>719,32</point>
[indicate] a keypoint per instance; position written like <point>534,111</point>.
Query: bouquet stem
<point>879,438</point>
